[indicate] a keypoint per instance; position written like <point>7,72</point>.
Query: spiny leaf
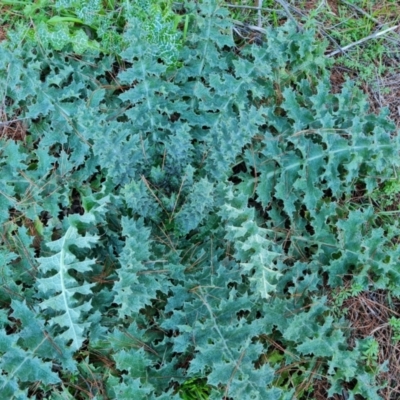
<point>60,288</point>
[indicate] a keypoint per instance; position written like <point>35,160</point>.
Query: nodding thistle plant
<point>191,218</point>
<point>160,25</point>
<point>56,25</point>
<point>95,25</point>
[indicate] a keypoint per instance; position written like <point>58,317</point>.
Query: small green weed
<point>395,325</point>
<point>392,188</point>
<point>354,290</point>
<point>370,351</point>
<point>387,198</point>
<point>195,389</point>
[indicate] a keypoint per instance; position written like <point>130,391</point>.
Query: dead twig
<point>250,27</point>
<point>362,12</point>
<point>287,7</point>
<point>259,13</point>
<point>6,123</point>
<point>369,37</point>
